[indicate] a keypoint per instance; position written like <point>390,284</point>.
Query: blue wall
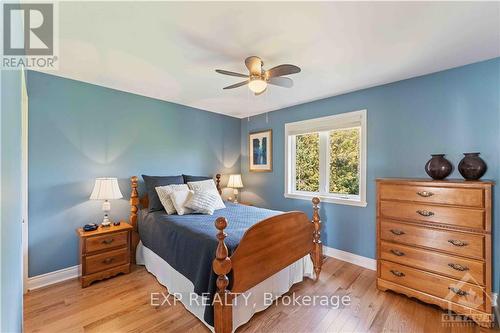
<point>79,131</point>
<point>11,279</point>
<point>450,112</point>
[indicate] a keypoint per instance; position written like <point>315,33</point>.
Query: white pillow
<point>164,195</point>
<point>208,186</point>
<point>179,199</point>
<point>202,202</point>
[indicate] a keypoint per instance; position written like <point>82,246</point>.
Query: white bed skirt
<point>243,310</point>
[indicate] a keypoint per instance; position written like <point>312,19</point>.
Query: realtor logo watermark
<point>29,36</point>
<point>267,298</point>
<point>469,293</point>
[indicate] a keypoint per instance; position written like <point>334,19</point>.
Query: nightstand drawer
<point>103,261</point>
<point>108,241</point>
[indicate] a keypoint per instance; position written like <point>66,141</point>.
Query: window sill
<point>328,199</point>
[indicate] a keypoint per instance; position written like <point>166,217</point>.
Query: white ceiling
<point>169,51</point>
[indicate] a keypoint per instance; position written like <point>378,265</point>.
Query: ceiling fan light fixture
<point>257,85</point>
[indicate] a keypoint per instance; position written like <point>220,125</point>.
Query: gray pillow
<point>152,182</point>
<point>188,178</point>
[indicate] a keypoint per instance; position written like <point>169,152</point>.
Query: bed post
<point>217,182</point>
<point>317,250</point>
<point>134,208</point>
<point>223,311</point>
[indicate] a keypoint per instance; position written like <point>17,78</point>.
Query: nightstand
<point>104,252</point>
<point>245,203</point>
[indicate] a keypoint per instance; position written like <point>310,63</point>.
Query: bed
<point>248,250</point>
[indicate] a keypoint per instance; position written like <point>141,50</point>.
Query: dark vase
<point>438,167</point>
<point>472,167</point>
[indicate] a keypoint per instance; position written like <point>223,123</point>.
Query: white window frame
<point>323,125</point>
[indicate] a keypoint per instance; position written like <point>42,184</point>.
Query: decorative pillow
<point>164,195</point>
<point>188,178</point>
<point>208,186</point>
<point>152,182</point>
<point>179,199</point>
<point>202,202</point>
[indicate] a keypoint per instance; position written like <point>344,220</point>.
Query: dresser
<point>434,243</point>
<point>104,252</point>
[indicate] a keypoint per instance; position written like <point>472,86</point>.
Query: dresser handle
<point>397,232</point>
<point>108,241</point>
<point>397,273</point>
<point>425,212</point>
<point>108,260</point>
<point>457,242</point>
<point>459,267</point>
<point>458,291</point>
<point>397,253</point>
<point>425,194</point>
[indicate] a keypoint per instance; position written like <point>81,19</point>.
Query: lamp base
<point>105,221</point>
<point>235,192</point>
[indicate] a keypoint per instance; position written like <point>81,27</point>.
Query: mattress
<point>188,243</point>
<point>244,307</point>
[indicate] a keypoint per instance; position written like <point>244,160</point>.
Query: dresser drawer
<point>454,242</point>
<point>470,197</point>
<point>456,291</point>
<point>108,241</point>
<point>460,217</point>
<point>103,261</point>
<point>428,260</point>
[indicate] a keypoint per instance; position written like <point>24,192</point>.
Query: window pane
<point>307,162</point>
<point>344,161</point>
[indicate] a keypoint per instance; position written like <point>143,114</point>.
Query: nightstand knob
<point>108,260</point>
<point>108,241</point>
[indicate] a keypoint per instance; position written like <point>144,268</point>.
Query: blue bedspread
<point>188,242</point>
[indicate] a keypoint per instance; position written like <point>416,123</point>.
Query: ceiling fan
<point>258,78</point>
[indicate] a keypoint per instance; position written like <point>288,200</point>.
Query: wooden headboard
<point>137,202</point>
<point>144,200</point>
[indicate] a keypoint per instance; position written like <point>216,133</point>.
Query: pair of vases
<point>471,167</point>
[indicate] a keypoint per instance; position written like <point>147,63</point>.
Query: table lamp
<point>235,183</point>
<point>106,189</point>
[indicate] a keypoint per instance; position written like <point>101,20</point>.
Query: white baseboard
<point>43,280</point>
<point>352,258</point>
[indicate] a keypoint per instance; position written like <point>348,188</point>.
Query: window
<point>326,157</point>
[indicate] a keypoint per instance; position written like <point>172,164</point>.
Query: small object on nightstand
<point>116,223</point>
<point>104,252</point>
<point>106,189</point>
<point>90,227</point>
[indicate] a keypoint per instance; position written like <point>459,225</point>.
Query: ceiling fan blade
<point>221,71</point>
<point>254,65</point>
<point>263,91</point>
<point>282,70</point>
<point>236,85</point>
<point>281,81</point>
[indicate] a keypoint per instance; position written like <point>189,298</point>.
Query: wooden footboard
<point>265,249</point>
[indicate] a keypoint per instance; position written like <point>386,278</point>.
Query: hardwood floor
<point>122,304</point>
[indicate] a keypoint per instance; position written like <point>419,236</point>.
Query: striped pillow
<point>208,186</point>
<point>164,195</point>
<point>202,202</point>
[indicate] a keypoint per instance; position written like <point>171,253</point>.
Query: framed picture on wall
<point>260,146</point>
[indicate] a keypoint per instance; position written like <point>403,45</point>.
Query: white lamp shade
<point>106,189</point>
<point>235,181</point>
